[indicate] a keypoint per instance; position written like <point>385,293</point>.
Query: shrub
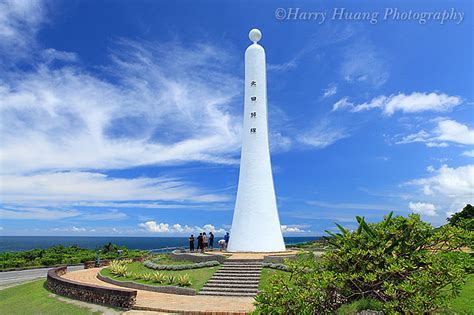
<point>282,267</point>
<point>360,305</point>
<point>184,280</point>
<point>158,277</point>
<point>171,279</point>
<point>399,261</point>
<point>117,268</point>
<point>205,264</point>
<point>147,276</point>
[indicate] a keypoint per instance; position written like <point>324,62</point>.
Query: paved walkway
<point>163,302</point>
<point>11,278</point>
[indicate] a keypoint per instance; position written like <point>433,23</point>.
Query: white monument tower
<point>255,226</point>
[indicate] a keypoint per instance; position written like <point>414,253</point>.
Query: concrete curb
<point>140,286</point>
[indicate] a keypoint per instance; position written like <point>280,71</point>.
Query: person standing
<point>204,242</point>
<point>191,243</point>
<point>211,240</point>
<point>199,242</point>
<point>221,244</point>
<point>226,239</point>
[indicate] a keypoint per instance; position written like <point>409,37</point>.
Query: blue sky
<point>124,117</point>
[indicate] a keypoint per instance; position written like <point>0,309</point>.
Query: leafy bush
<point>360,305</point>
<point>205,264</point>
<point>464,218</point>
<point>184,280</point>
<point>171,279</point>
<point>57,255</point>
<point>282,267</point>
<point>399,261</point>
<point>158,277</point>
<point>118,268</point>
<point>147,276</point>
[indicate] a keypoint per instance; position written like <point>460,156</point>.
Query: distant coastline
<point>21,243</point>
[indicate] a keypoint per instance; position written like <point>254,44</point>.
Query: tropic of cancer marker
<point>255,225</point>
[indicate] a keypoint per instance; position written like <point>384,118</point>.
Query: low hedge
<point>275,266</point>
<point>152,265</point>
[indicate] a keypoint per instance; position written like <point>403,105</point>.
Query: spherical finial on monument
<point>255,35</point>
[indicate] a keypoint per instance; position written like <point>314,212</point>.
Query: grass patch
<point>463,303</point>
<point>198,276</point>
<point>166,259</point>
<point>33,298</point>
<point>267,274</point>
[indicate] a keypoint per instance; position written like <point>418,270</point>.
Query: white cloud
<point>154,227</point>
<point>420,136</point>
<point>20,20</point>
<point>468,153</point>
<point>104,216</point>
<point>169,104</point>
<point>88,186</point>
<point>450,130</point>
<point>35,213</point>
<point>341,104</point>
<point>281,67</point>
<point>448,187</point>
<point>446,131</point>
<point>423,208</point>
<point>322,135</point>
<point>413,103</point>
<point>330,91</point>
<point>293,229</point>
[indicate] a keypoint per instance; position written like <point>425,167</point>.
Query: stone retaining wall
<point>176,255</point>
<point>140,286</point>
<point>122,298</point>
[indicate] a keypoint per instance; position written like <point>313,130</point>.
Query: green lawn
<point>464,304</point>
<point>165,259</point>
<point>267,273</point>
<point>198,276</point>
<point>33,298</point>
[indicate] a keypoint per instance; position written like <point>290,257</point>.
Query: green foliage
<point>118,268</point>
<point>360,305</point>
<point>184,280</point>
<point>57,255</point>
<point>135,270</point>
<point>159,277</point>
<point>463,219</point>
<point>205,264</point>
<point>400,262</point>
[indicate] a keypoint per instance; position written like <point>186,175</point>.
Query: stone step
<point>235,290</point>
<point>232,285</point>
<point>226,281</point>
<point>257,274</point>
<point>242,264</point>
<point>222,278</point>
<point>243,271</point>
<point>240,269</point>
<point>225,293</point>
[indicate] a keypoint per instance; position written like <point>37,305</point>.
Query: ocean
<point>21,243</point>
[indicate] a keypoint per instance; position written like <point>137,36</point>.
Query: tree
<point>464,218</point>
<point>399,261</point>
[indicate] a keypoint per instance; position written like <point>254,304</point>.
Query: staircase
<point>234,278</point>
